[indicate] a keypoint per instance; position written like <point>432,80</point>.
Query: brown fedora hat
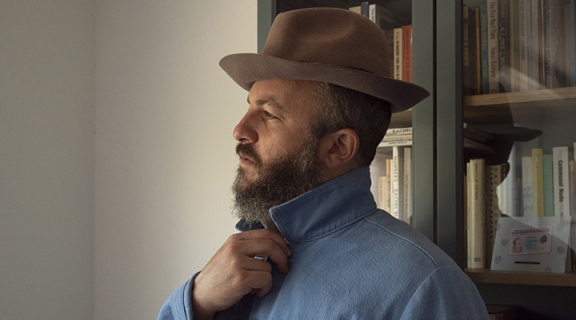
<point>331,45</point>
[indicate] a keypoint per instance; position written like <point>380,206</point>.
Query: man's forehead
<point>282,94</point>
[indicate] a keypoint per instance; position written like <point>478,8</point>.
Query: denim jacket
<point>351,260</point>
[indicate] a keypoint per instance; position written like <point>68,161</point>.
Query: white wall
<point>116,150</point>
<point>164,148</point>
<point>46,159</point>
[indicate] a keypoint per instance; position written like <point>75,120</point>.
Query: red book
<point>407,53</point>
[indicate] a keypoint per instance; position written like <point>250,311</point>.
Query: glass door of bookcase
<point>518,113</point>
<point>515,105</point>
<point>408,149</point>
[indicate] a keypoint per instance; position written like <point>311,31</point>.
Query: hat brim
<point>511,132</point>
<point>246,68</point>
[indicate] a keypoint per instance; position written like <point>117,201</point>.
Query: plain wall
<point>164,149</point>
<point>116,151</point>
<point>46,159</point>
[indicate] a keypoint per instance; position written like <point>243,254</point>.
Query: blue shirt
<point>351,260</point>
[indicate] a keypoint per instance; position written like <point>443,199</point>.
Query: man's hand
<point>234,272</point>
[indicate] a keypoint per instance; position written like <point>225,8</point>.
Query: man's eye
<point>268,115</point>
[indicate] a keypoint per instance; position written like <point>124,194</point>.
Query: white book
<point>395,143</point>
<point>384,193</point>
<point>396,182</point>
<point>527,201</point>
<point>561,180</point>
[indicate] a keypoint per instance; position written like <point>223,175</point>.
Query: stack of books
<point>544,187</point>
<point>399,35</point>
<point>519,45</point>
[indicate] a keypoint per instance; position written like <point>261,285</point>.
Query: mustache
<point>247,150</point>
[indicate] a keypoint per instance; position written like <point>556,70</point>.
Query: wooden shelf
<point>522,278</point>
<point>525,105</point>
<point>523,98</point>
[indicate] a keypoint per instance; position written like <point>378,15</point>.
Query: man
<point>314,245</point>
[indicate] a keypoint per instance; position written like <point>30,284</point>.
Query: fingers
<point>262,243</point>
<point>235,270</point>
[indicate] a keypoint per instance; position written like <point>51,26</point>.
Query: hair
<point>346,108</point>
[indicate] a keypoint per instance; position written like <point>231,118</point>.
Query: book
<point>476,215</point>
<point>484,72</point>
<point>469,57</point>
<point>396,178</point>
<point>513,51</point>
<point>527,201</point>
<point>551,42</point>
<point>510,190</point>
<point>548,176</point>
<point>384,193</point>
<point>385,19</point>
<point>523,44</point>
<point>561,180</point>
<point>535,37</point>
<point>537,182</point>
<point>504,45</point>
<point>398,53</point>
<point>398,131</point>
<point>570,41</point>
<point>493,52</point>
<point>407,53</point>
<point>494,177</point>
<point>395,143</point>
<point>478,54</point>
<point>407,184</point>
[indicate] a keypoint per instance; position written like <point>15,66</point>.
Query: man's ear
<point>339,148</point>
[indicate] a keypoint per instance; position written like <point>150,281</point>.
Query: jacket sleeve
<point>179,304</point>
<point>446,294</point>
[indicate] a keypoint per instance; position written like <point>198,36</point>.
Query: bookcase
<point>438,153</point>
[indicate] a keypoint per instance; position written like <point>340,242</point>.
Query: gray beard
<point>278,182</point>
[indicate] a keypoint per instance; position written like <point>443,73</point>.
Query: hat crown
<point>330,36</point>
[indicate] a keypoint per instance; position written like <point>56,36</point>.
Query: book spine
<point>528,203</point>
<point>538,182</point>
<point>384,193</point>
<point>513,52</point>
<point>478,54</point>
<point>365,9</point>
<point>523,45</point>
<point>570,41</point>
<point>407,192</point>
<point>476,232</point>
<point>547,164</point>
<point>485,73</point>
<point>572,187</point>
<point>466,48</point>
<point>398,53</point>
<point>395,143</point>
<point>561,181</point>
<point>493,55</point>
<point>551,44</point>
<point>407,53</point>
<point>504,45</point>
<point>396,182</point>
<point>493,212</point>
<point>399,131</point>
<point>535,45</point>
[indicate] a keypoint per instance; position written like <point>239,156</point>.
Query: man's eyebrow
<point>269,101</point>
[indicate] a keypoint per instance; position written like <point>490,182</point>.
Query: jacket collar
<point>323,210</point>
